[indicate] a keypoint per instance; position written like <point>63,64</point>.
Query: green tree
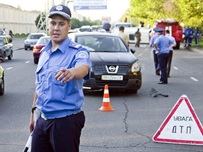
<point>75,23</point>
<point>190,12</point>
<point>40,21</point>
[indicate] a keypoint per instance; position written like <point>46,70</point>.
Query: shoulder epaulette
<point>75,45</point>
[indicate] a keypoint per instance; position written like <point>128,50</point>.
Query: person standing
<point>190,36</point>
<point>138,37</point>
<point>63,66</point>
<point>172,39</point>
<point>197,36</point>
<point>107,27</point>
<point>151,43</point>
<point>162,45</point>
<point>185,33</point>
<point>123,35</point>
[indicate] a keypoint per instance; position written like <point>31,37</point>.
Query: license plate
<point>112,77</point>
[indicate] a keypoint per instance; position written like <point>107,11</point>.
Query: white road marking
<point>194,79</point>
<point>27,61</point>
<point>175,68</point>
<point>9,68</point>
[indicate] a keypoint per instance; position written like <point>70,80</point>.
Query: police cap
<point>158,29</point>
<point>60,10</point>
<point>106,26</point>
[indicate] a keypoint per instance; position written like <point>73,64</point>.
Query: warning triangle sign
<point>181,126</point>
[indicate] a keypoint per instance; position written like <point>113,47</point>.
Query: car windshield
<point>85,30</point>
<point>35,36</point>
<point>95,43</point>
<point>43,41</point>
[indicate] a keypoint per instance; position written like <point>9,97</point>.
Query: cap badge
<point>59,8</point>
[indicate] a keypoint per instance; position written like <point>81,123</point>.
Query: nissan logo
<point>112,68</point>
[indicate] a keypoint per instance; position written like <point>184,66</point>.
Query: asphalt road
<point>135,119</point>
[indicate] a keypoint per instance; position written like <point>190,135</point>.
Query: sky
<point>115,8</point>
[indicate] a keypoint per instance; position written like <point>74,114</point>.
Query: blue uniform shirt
<point>163,43</point>
<point>57,99</point>
<point>154,37</point>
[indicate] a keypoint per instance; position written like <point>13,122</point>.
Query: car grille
<point>102,68</point>
<point>111,83</point>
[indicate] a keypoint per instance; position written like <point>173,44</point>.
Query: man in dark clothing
<point>138,37</point>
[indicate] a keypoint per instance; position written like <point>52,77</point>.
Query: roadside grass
<point>20,36</point>
<point>200,43</point>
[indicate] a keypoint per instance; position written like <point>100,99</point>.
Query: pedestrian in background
<point>123,35</point>
<point>190,36</point>
<point>162,45</point>
<point>185,33</point>
<point>107,27</point>
<point>197,36</point>
<point>63,66</point>
<point>11,33</point>
<point>138,37</point>
<point>172,39</point>
<point>151,43</point>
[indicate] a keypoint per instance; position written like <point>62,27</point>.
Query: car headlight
<point>135,67</point>
<point>26,42</point>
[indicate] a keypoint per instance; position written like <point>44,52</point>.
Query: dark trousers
<point>58,135</point>
<point>186,40</point>
<point>197,40</point>
<point>170,56</point>
<point>156,62</point>
<point>163,60</point>
<point>190,40</point>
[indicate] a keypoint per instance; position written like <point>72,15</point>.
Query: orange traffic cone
<point>106,106</point>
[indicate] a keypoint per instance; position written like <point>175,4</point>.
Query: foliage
<point>75,23</point>
<point>40,22</point>
<point>188,12</point>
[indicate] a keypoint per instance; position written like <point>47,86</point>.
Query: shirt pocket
<point>55,81</point>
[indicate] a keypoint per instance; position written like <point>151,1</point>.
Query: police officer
<point>197,36</point>
<point>63,66</point>
<point>162,45</point>
<point>168,35</point>
<point>152,40</point>
<point>185,33</point>
<point>107,27</point>
<point>190,36</point>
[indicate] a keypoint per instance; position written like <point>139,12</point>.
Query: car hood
<point>108,57</point>
<point>31,40</point>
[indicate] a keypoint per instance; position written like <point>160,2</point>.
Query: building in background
<point>17,20</point>
<point>22,21</point>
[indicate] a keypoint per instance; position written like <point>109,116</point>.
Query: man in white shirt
<point>171,51</point>
<point>123,35</point>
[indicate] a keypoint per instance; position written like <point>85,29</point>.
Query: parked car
<point>38,46</point>
<point>113,63</point>
<point>1,81</point>
<point>32,39</point>
<point>6,48</point>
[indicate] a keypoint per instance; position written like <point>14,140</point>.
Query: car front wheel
<point>11,55</point>
<point>2,87</point>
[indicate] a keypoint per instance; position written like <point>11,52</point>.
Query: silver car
<point>32,39</point>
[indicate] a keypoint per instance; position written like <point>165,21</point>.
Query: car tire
<point>11,55</point>
<point>2,87</point>
<point>36,61</point>
<point>25,48</point>
<point>3,57</point>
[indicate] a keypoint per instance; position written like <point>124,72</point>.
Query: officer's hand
<point>65,75</point>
